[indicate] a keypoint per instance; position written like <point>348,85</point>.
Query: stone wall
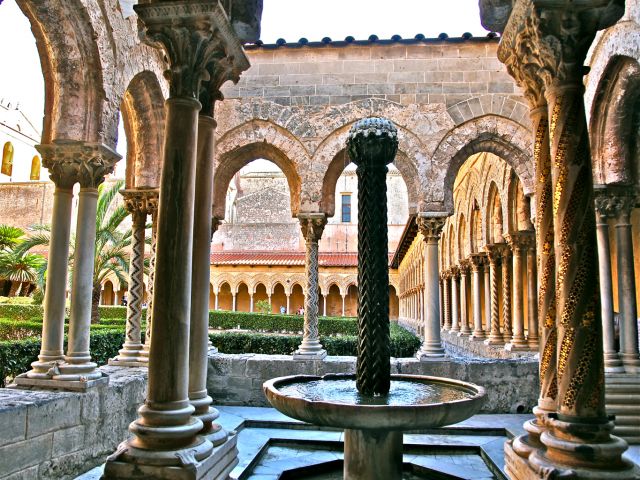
<point>26,203</point>
<point>58,435</point>
<point>512,385</point>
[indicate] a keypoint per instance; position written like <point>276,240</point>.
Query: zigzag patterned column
<point>153,211</point>
<point>311,349</point>
<point>372,144</point>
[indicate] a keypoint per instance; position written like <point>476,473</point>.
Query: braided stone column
<point>606,208</point>
<point>152,203</point>
<point>477,261</point>
<point>131,354</point>
<point>372,144</point>
<point>577,441</point>
<point>311,349</point>
<point>431,228</point>
<point>63,171</point>
<point>493,254</point>
<point>95,161</point>
<point>507,266</point>
<point>465,269</point>
<point>166,443</point>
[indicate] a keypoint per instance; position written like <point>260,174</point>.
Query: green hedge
<point>262,322</point>
<point>11,330</point>
<point>403,343</point>
<point>21,312</point>
<point>16,356</point>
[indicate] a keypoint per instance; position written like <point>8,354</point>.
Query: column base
<point>77,372</point>
<point>517,347</point>
<point>192,463</point>
<point>306,355</point>
<point>464,332</point>
<point>45,366</point>
<point>431,352</point>
<point>494,339</point>
<point>24,380</point>
<point>533,342</point>
<point>478,336</point>
<point>612,363</point>
<point>631,362</point>
<point>516,466</point>
<point>582,451</point>
<point>130,355</point>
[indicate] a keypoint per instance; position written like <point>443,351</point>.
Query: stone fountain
<point>373,406</point>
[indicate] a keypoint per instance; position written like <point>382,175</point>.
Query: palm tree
<point>9,236</point>
<point>21,269</point>
<point>111,246</point>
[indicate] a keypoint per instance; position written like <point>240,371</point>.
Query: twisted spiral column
<point>152,274</point>
<point>507,319</point>
<point>372,144</point>
<point>311,349</point>
<point>495,336</point>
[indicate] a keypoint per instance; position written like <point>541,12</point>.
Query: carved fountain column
<point>606,208</point>
<point>430,226</point>
<point>577,440</point>
<point>312,225</point>
<point>95,161</point>
<point>166,442</point>
<point>132,352</point>
<point>61,162</point>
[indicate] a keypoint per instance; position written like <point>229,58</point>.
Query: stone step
<point>632,420</point>
<point>622,378</point>
<point>618,409</point>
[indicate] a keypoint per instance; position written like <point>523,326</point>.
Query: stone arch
<point>76,69</point>
<point>143,116</point>
<point>615,121</point>
<point>250,141</point>
<point>498,135</point>
<point>332,153</point>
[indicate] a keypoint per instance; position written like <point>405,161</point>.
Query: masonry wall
<point>58,435</point>
<point>440,71</point>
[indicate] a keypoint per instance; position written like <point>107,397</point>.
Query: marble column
<point>606,208</point>
<point>446,295</point>
<point>215,294</point>
<point>251,302</point>
<point>441,295</point>
<point>96,161</point>
<point>324,306</point>
<point>487,294</point>
<point>60,161</point>
<point>465,269</point>
<point>289,303</point>
<point>517,243</point>
<point>312,225</point>
<point>554,38</point>
<point>152,202</point>
<point>455,299</point>
<point>507,319</point>
<point>343,298</point>
<point>494,254</point>
<point>233,302</point>
<point>430,226</point>
<point>166,441</point>
<point>533,337</point>
<point>627,282</point>
<point>477,261</point>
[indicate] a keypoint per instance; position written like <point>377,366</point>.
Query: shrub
<point>16,356</point>
<point>18,330</point>
<point>16,300</point>
<point>21,312</point>
<point>263,306</point>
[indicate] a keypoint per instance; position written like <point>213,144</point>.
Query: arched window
<point>7,159</point>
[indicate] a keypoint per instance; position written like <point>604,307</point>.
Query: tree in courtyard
<point>21,269</point>
<point>111,247</point>
<point>9,236</point>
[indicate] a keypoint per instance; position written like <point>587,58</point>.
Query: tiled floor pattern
<point>272,446</point>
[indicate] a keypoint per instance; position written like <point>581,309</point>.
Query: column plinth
<point>431,226</point>
<point>312,226</point>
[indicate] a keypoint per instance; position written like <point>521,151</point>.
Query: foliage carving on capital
<point>550,40</point>
<point>71,162</point>
<point>194,35</point>
<point>140,202</point>
<point>431,227</point>
<point>312,226</point>
<point>477,261</point>
<point>465,267</point>
<point>613,202</point>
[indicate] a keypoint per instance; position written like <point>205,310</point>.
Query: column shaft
<point>455,300</point>
<point>532,299</point>
<point>476,266</point>
<point>507,266</point>
<point>464,304</point>
<point>495,336</point>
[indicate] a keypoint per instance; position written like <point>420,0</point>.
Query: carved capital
<point>614,202</point>
<point>372,142</point>
<point>430,226</point>
<point>220,70</point>
<point>477,261</point>
<point>140,202</point>
<point>312,226</point>
<point>494,252</point>
<point>454,272</point>
<point>195,35</point>
<point>549,39</point>
<point>521,240</point>
<point>71,162</point>
<point>465,267</point>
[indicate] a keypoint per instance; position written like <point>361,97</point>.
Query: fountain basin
<point>373,425</point>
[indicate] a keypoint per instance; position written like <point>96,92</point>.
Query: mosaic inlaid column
<point>60,161</point>
<point>627,281</point>
<point>517,243</point>
<point>494,254</point>
<point>557,35</point>
<point>606,208</point>
<point>446,295</point>
<point>153,211</point>
<point>97,160</point>
<point>166,438</point>
<point>431,228</point>
<point>132,352</point>
<point>507,319</point>
<point>312,225</point>
<point>477,261</point>
<point>455,299</point>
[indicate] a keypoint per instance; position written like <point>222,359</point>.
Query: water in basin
<point>402,392</point>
